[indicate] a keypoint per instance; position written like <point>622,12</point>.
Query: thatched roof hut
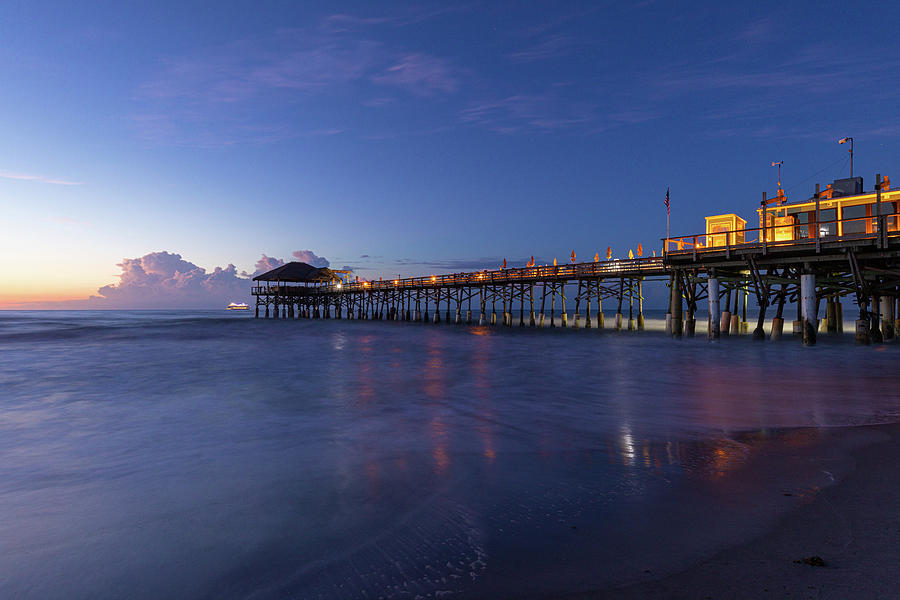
<point>299,272</point>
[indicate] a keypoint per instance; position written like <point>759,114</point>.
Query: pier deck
<point>802,271</point>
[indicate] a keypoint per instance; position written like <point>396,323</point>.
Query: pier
<point>813,255</point>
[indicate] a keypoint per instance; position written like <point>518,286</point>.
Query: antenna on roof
<point>778,164</point>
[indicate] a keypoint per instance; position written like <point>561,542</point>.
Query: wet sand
<point>853,525</point>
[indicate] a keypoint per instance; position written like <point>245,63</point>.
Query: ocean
<point>204,454</point>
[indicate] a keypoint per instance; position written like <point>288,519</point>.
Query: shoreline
<point>853,525</point>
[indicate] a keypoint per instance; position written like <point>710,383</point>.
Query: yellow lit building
<point>844,210</point>
<point>720,226</point>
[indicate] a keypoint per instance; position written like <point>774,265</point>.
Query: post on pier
<point>712,288</point>
<point>640,319</point>
<point>522,306</point>
<point>677,315</point>
<point>600,320</point>
<point>553,306</point>
<point>725,324</point>
<point>735,318</point>
<point>505,311</point>
<point>543,305</point>
<point>887,317</point>
<point>839,315</point>
<point>562,301</point>
<point>578,304</point>
<point>531,321</point>
<point>631,305</point>
<point>482,319</point>
<point>494,306</point>
<point>437,305</point>
<point>587,306</point>
<point>619,317</point>
<point>744,325</point>
<point>669,307</point>
<point>808,306</point>
<point>874,329</point>
<point>830,315</point>
<point>469,307</point>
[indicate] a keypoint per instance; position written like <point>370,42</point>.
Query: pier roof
<point>299,272</point>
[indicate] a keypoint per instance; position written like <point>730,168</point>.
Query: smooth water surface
<point>159,454</point>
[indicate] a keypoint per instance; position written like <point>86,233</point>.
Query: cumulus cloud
<point>310,258</point>
<point>266,263</point>
<point>165,280</point>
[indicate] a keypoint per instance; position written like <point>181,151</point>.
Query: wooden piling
<point>669,306</point>
<point>640,319</point>
<point>600,320</point>
<point>587,306</point>
<point>522,306</point>
<point>712,286</point>
<point>619,309</point>
<point>677,322</point>
<point>578,304</point>
<point>631,305</point>
<point>808,307</point>
<point>553,306</point>
<point>531,321</point>
<point>887,318</point>
<point>725,325</point>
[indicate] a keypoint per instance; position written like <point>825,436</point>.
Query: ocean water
<point>208,455</point>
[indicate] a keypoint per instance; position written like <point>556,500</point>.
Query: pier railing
<point>875,228</point>
<point>608,268</point>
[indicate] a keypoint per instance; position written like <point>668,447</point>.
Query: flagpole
<point>666,249</point>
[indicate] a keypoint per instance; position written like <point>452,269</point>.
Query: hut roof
<point>297,272</point>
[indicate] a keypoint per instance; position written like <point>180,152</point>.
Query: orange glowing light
<point>396,282</point>
<point>433,278</point>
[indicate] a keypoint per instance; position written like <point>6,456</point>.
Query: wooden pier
<point>821,261</point>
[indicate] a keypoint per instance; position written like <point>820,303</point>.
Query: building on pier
<point>282,287</point>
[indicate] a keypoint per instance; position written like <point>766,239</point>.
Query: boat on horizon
<point>237,306</point>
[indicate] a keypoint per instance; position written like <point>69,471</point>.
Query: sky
<point>156,154</point>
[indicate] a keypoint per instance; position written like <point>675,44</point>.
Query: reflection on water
<point>209,457</point>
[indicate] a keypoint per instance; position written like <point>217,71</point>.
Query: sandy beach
<point>853,526</point>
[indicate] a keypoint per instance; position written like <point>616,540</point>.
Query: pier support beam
<point>808,307</point>
<point>600,322</point>
<point>725,321</point>
<point>713,293</point>
<point>677,316</point>
<point>887,318</point>
<point>619,309</point>
<point>640,319</point>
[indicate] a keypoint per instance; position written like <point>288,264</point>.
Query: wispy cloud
<point>421,75</point>
<point>249,91</point>
<point>544,111</point>
<point>38,178</point>
<point>550,47</point>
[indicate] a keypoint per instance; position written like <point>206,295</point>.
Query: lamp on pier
<point>844,141</point>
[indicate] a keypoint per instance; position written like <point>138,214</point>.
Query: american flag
<point>667,201</point>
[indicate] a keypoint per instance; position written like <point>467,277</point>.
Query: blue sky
<point>411,138</point>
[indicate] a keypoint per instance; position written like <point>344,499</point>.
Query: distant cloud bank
<point>165,280</point>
